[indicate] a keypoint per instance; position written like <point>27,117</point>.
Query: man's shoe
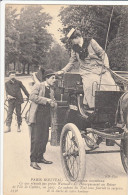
<point>18,128</point>
<point>34,165</point>
<point>8,129</point>
<point>45,161</point>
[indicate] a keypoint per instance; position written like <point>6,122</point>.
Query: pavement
<point>21,179</point>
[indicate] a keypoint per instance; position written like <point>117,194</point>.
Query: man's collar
<point>46,84</point>
<point>12,80</point>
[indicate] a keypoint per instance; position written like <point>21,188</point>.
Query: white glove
<point>61,72</point>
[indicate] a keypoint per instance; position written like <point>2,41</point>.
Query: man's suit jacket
<point>37,96</point>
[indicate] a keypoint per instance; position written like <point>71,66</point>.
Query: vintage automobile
<point>79,134</point>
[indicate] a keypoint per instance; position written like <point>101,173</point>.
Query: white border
<point>2,66</point>
<point>84,2</point>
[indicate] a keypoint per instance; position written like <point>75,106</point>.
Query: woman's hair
<point>82,51</point>
<point>76,33</point>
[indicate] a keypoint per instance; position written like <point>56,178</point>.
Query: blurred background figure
<point>15,99</point>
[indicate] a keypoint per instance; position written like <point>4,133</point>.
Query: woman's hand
<point>59,73</point>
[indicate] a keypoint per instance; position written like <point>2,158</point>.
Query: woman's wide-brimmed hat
<point>70,33</point>
<point>73,33</point>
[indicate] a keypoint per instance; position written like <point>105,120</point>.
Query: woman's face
<point>75,40</point>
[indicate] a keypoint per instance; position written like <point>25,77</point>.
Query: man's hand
<point>51,102</point>
<point>9,97</point>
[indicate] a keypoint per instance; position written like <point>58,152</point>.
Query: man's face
<point>51,80</point>
<point>12,75</point>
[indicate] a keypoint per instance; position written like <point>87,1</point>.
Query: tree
<point>11,37</point>
<point>118,48</point>
<point>57,57</point>
<point>92,20</point>
<point>34,40</point>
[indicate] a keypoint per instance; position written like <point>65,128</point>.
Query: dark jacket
<point>13,88</point>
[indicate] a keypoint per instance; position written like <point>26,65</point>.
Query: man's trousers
<point>40,133</point>
<point>13,104</point>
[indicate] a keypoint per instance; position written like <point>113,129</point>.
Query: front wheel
<point>72,153</point>
<point>124,154</point>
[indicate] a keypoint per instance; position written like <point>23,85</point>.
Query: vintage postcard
<point>64,104</point>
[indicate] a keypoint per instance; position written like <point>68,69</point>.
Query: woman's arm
<point>72,60</point>
<point>100,52</point>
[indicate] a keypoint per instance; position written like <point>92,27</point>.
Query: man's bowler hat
<point>48,73</point>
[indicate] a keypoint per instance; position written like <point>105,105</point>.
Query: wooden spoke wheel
<point>72,153</point>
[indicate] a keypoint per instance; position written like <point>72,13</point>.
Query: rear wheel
<point>124,153</point>
<point>72,153</point>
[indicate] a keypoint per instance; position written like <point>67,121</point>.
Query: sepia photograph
<point>65,98</point>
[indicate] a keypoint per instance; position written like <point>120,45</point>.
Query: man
<point>42,97</point>
<point>15,99</point>
<point>93,66</point>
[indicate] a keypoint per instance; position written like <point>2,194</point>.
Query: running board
<point>100,152</point>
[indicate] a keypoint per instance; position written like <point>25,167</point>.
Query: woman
<point>91,57</point>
